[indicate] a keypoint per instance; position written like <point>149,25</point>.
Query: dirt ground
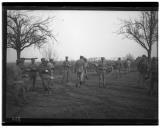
<point>122,98</point>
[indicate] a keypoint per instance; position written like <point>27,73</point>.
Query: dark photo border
<point>92,6</point>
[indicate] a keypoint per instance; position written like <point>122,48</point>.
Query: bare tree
<point>23,33</point>
<point>143,31</point>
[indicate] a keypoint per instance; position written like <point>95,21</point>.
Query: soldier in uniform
<point>85,68</point>
<point>33,73</point>
<point>66,66</point>
<point>101,71</point>
<point>51,67</point>
<point>142,67</point>
<point>44,74</point>
<point>118,67</point>
<point>79,70</point>
<point>128,65</point>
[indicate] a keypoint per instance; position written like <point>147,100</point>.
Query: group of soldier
<point>80,69</point>
<point>148,70</point>
<point>23,74</point>
<point>119,64</point>
<point>46,72</point>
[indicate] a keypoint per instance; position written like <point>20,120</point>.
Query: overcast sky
<point>87,33</point>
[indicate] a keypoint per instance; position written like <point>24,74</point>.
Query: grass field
<point>122,98</point>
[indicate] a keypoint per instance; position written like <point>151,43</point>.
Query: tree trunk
<point>18,54</point>
<point>149,55</point>
<point>149,61</point>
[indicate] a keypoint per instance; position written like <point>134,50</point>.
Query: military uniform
<point>142,67</point>
<point>129,65</point>
<point>119,65</point>
<point>44,75</point>
<point>118,68</point>
<point>66,66</point>
<point>101,70</point>
<point>79,69</point>
<point>51,69</point>
<point>33,74</point>
<point>85,68</point>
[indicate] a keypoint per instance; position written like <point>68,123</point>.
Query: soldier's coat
<point>66,72</point>
<point>33,74</point>
<point>118,68</point>
<point>79,69</point>
<point>129,65</point>
<point>101,70</point>
<point>51,69</point>
<point>45,76</point>
<point>142,66</point>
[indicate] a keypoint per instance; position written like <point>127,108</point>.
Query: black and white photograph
<point>80,63</point>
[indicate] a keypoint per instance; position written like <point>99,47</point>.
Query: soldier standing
<point>44,74</point>
<point>142,67</point>
<point>33,73</point>
<point>51,67</point>
<point>85,68</point>
<point>118,67</point>
<point>128,65</point>
<point>66,66</point>
<point>79,70</point>
<point>101,71</point>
